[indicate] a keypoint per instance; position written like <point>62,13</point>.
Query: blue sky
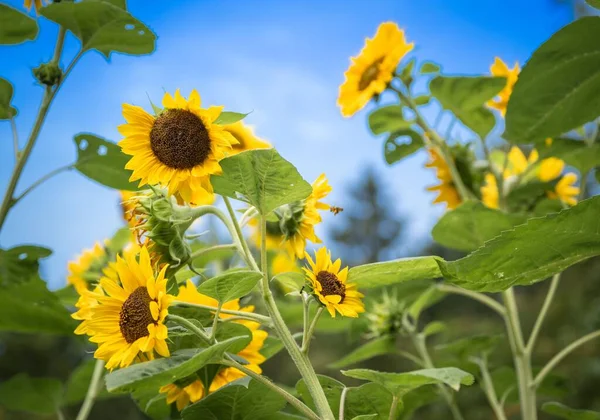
<point>281,60</point>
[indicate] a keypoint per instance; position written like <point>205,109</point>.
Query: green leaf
<point>227,117</point>
<point>261,178</point>
<point>429,67</point>
<point>6,93</point>
<point>102,26</point>
<point>18,264</point>
<point>230,285</point>
<point>370,399</point>
<point>422,100</point>
<point>530,252</point>
<point>34,395</point>
<point>31,308</point>
<point>16,27</point>
<point>236,402</point>
<point>557,90</point>
<point>78,384</point>
<point>574,152</point>
<point>377,347</point>
<point>434,327</point>
<point>119,240</point>
<point>418,398</point>
<point>101,160</point>
<point>593,3</point>
<point>401,383</point>
<point>401,144</point>
<point>271,347</point>
<point>406,73</point>
<point>388,119</point>
<point>470,225</point>
<point>152,403</point>
<point>390,272</point>
<point>291,280</point>
<point>471,346</point>
<point>466,96</point>
<point>428,298</point>
<point>332,388</point>
<point>160,372</point>
<point>564,412</point>
<point>205,258</point>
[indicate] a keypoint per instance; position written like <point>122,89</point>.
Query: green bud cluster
<point>385,318</point>
<point>289,217</point>
<point>48,74</point>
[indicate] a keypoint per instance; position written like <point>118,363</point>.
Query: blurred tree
<point>372,228</point>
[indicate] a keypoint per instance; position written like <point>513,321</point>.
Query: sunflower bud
<point>48,74</point>
<point>290,216</point>
<point>386,316</point>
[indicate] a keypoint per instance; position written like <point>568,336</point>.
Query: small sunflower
<point>179,149</point>
<point>371,71</point>
<point>565,189</point>
<point>37,4</point>
<point>518,163</point>
<point>246,138</point>
<point>500,69</point>
<point>447,192</point>
<point>550,169</point>
<point>128,320</point>
<point>489,192</point>
<point>329,285</point>
<point>251,353</point>
<point>86,265</point>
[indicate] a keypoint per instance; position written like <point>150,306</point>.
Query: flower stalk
<point>92,392</point>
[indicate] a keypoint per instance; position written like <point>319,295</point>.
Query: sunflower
<point>550,169</point>
<point>128,320</point>
<point>251,353</point>
<point>500,69</point>
<point>128,205</point>
<point>447,192</point>
<point>565,190</point>
<point>179,149</point>
<point>517,162</point>
<point>245,137</point>
<point>85,266</point>
<point>489,191</point>
<point>283,263</point>
<point>371,71</point>
<point>328,284</point>
<point>37,4</point>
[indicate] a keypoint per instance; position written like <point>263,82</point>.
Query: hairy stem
<point>480,297</point>
<point>15,134</point>
<point>238,230</point>
<point>42,180</point>
<point>186,323</point>
<point>342,413</point>
<point>245,315</point>
<point>490,392</point>
<point>542,315</point>
<point>393,408</point>
<point>92,392</point>
<point>311,330</point>
<point>561,355</point>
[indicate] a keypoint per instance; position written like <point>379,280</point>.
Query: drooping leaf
<point>466,96</point>
<point>471,224</point>
<point>558,89</point>
<point>271,347</point>
<point>34,395</point>
<point>388,119</point>
<point>102,161</point>
<point>152,403</point>
<point>15,26</point>
<point>564,412</point>
<point>418,398</point>
<point>262,178</point>
<point>434,327</point>
<point>401,383</point>
<point>429,67</point>
<point>102,26</point>
<point>530,252</point>
<point>471,346</point>
<point>400,144</point>
<point>332,388</point>
<point>373,348</point>
<point>396,271</point>
<point>30,307</point>
<point>370,399</point>
<point>230,285</point>
<point>236,402</point>
<point>79,381</point>
<point>6,93</point>
<point>160,372</point>
<point>228,117</point>
<point>575,153</point>
<point>20,263</point>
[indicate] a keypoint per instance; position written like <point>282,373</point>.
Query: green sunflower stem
<point>190,326</point>
<point>242,315</point>
<point>92,392</point>
<point>394,407</point>
<point>311,330</point>
<point>300,359</point>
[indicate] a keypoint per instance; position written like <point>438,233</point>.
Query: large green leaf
<point>466,96</point>
<point>102,161</point>
<point>418,398</point>
<point>30,307</point>
<point>467,227</point>
<point>236,402</point>
<point>530,252</point>
<point>79,381</point>
<point>558,89</point>
<point>377,347</point>
<point>20,263</point>
<point>230,285</point>
<point>153,403</point>
<point>160,372</point>
<point>400,144</point>
<point>401,383</point>
<point>34,395</point>
<point>332,388</point>
<point>388,119</point>
<point>102,26</point>
<point>396,271</point>
<point>6,93</point>
<point>575,153</point>
<point>16,27</point>
<point>564,412</point>
<point>261,178</point>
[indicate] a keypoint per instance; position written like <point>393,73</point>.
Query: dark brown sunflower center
<point>136,315</point>
<point>369,74</point>
<point>331,284</point>
<point>179,139</point>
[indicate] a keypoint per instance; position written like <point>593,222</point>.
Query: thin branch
<point>246,315</point>
<point>42,180</point>
<point>542,315</point>
<point>480,297</point>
